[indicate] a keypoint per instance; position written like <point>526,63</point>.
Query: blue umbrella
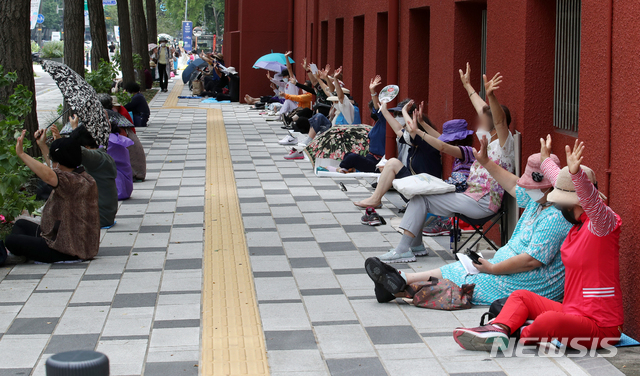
<point>275,62</point>
<point>196,63</point>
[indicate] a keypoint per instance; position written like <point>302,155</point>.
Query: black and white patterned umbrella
<point>82,98</point>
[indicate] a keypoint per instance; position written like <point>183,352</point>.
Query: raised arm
<point>289,67</point>
<point>475,98</point>
<point>506,179</point>
<point>497,113</point>
<point>393,123</point>
<point>307,69</point>
<point>41,140</point>
<point>549,168</point>
<point>339,91</point>
<point>43,171</point>
<point>375,82</point>
<point>603,218</point>
<point>420,115</point>
<point>321,80</point>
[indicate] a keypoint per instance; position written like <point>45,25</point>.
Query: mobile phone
<point>475,257</point>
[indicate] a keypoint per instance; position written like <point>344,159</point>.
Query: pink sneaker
<point>481,338</point>
<point>294,154</point>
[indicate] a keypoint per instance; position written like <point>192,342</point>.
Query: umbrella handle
<point>49,126</point>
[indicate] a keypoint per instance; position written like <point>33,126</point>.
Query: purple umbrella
<point>273,66</point>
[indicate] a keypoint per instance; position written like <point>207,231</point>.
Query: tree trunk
<point>152,22</point>
<point>126,50</point>
<point>99,49</point>
<point>74,35</point>
<point>15,37</point>
<point>140,45</point>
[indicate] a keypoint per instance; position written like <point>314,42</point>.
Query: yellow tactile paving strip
<point>232,337</point>
<point>172,100</point>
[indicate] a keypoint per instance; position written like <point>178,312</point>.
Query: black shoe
<point>386,275</point>
<point>3,253</point>
<point>382,294</point>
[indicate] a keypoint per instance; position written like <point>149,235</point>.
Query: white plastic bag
<point>422,184</point>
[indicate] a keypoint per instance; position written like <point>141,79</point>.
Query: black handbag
<point>494,310</point>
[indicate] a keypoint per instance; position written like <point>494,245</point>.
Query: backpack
<point>494,310</point>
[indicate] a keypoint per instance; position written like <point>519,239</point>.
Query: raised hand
<point>269,75</point>
<point>337,72</point>
<point>305,66</point>
<point>408,106</point>
<point>41,137</point>
<point>482,156</point>
<point>73,120</point>
<point>420,111</point>
<point>545,148</point>
<point>493,84</point>
<point>287,54</point>
<point>466,76</point>
<point>574,157</point>
<point>375,82</point>
<point>20,143</point>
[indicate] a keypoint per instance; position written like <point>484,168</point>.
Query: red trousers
<point>550,322</point>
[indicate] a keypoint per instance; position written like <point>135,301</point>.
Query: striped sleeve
<point>550,170</point>
<point>467,155</point>
<point>603,218</point>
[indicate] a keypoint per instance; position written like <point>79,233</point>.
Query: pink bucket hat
<point>533,177</point>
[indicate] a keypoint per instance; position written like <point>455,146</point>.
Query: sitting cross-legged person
<point>69,229</point>
<point>530,260</point>
<point>591,313</point>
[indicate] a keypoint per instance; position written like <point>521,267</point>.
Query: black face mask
<point>569,215</point>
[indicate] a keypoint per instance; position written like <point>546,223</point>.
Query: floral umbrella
<point>339,140</point>
<point>82,98</point>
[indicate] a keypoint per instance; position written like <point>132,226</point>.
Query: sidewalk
<point>141,300</point>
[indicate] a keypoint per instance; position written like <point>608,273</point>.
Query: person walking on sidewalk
<point>165,61</point>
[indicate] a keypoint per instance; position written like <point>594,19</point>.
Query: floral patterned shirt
<point>481,183</point>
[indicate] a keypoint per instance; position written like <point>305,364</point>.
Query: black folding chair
<point>480,232</point>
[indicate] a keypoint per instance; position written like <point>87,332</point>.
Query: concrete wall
<point>438,37</point>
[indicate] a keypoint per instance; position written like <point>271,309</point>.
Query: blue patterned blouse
<point>540,233</point>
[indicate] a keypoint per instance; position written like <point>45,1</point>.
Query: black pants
<point>25,240</point>
<point>360,163</point>
<point>163,76</point>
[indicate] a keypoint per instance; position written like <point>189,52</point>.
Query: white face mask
<point>401,120</point>
<point>163,44</point>
<point>407,137</point>
<point>482,133</point>
<point>535,194</point>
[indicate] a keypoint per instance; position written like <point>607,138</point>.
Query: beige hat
<point>333,98</point>
<point>346,91</point>
<point>564,192</point>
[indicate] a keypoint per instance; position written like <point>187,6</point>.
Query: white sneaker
<point>294,154</point>
<point>306,142</point>
<point>289,140</point>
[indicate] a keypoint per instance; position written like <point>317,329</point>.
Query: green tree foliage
<point>101,79</point>
<point>201,12</point>
<point>52,19</point>
<point>53,49</point>
<point>111,17</point>
<point>14,175</point>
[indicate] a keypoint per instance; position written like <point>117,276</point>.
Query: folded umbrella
<point>82,98</point>
<point>339,140</point>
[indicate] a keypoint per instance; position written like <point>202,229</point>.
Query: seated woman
<point>69,226</point>
<point>376,137</point>
<point>117,149</point>
<point>138,105</point>
<point>102,169</point>
<point>483,196</point>
<point>591,313</point>
<point>422,157</point>
<point>530,260</point>
<point>137,156</point>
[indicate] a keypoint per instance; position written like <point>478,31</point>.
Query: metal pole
<point>186,2</point>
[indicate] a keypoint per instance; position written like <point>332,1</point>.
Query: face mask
<point>482,133</point>
<point>163,44</point>
<point>407,137</point>
<point>569,215</point>
<point>401,120</point>
<point>535,194</point>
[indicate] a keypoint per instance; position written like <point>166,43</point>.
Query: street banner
<point>187,35</point>
<point>109,2</point>
<point>86,14</point>
<point>116,32</point>
<point>33,13</point>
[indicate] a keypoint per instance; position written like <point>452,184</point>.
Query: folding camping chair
<point>480,232</point>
